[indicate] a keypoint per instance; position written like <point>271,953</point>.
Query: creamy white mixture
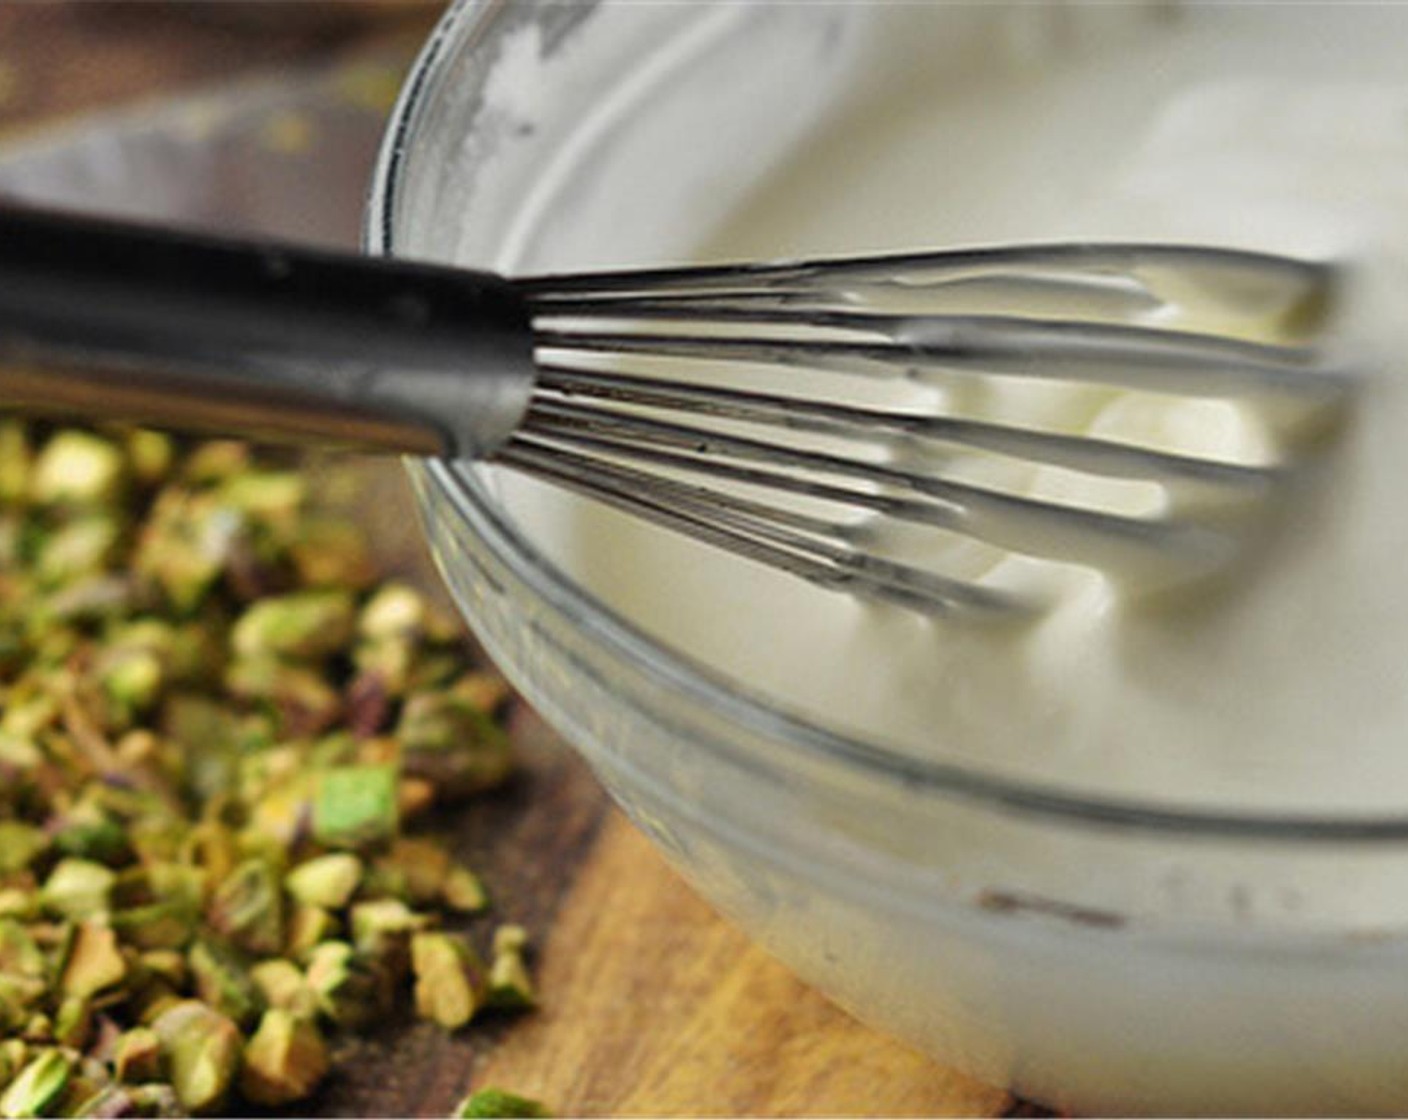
<point>1283,130</point>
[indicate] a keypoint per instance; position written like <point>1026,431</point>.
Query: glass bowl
<point>1096,954</point>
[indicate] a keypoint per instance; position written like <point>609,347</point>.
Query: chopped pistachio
<point>273,497</point>
<point>421,867</point>
<point>18,995</point>
<point>201,1049</point>
<point>284,987</point>
<point>78,889</point>
<point>150,1100</point>
<point>184,545</point>
<point>137,1056</point>
<point>284,1061</point>
<point>450,981</point>
<point>216,460</point>
<point>39,1028</point>
<point>77,468</point>
<point>158,925</point>
<point>247,908</point>
<point>306,624</point>
<point>81,547</point>
<point>451,743</point>
<point>395,610</point>
<point>13,1056</point>
<point>328,881</point>
<point>510,987</point>
<point>414,797</point>
<point>73,1022</point>
<point>167,965</point>
<point>486,691</point>
<point>91,835</point>
<point>463,890</point>
<point>384,667</point>
<point>356,806</point>
<point>19,954</point>
<point>15,461</point>
<point>38,1085</point>
<point>132,679</point>
<point>309,926</point>
<point>488,1103</point>
<point>383,927</point>
<point>214,734</point>
<point>19,845</point>
<point>302,697</point>
<point>150,455</point>
<point>223,981</point>
<point>88,1078</point>
<point>95,961</point>
<point>350,991</point>
<point>18,902</point>
<point>330,552</point>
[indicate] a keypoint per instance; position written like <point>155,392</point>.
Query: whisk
<point>565,378</point>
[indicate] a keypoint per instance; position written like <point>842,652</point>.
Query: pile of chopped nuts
<point>218,737</point>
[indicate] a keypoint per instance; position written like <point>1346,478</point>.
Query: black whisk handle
<point>105,320</point>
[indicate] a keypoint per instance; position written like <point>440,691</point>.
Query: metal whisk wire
<point>635,440</point>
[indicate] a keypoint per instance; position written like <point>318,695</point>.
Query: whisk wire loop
<point>618,411</point>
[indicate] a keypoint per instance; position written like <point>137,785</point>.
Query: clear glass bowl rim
<point>464,18</point>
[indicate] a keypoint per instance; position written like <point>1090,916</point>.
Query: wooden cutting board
<point>652,1004</point>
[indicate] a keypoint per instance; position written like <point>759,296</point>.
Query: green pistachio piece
<point>394,610</point>
<point>274,497</point>
<point>304,625</point>
<point>487,1103</point>
<point>452,744</point>
<point>137,1056</point>
<point>331,552</point>
<point>215,460</point>
<point>15,460</point>
<point>420,866</point>
<point>350,990</point>
<point>95,962</point>
<point>305,702</point>
<point>19,845</point>
<point>37,1086</point>
<point>450,979</point>
<point>464,891</point>
<point>158,925</point>
<point>92,835</point>
<point>18,995</point>
<point>356,807</point>
<point>247,908</point>
<point>309,926</point>
<point>13,1056</point>
<point>167,965</point>
<point>19,954</point>
<point>224,982</point>
<point>73,1022</point>
<point>510,987</point>
<point>78,889</point>
<point>78,468</point>
<point>285,1060</point>
<point>150,455</point>
<point>382,927</point>
<point>285,988</point>
<point>132,679</point>
<point>184,545</point>
<point>83,546</point>
<point>328,881</point>
<point>201,1049</point>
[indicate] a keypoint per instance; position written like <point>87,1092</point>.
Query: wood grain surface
<point>652,1005</point>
